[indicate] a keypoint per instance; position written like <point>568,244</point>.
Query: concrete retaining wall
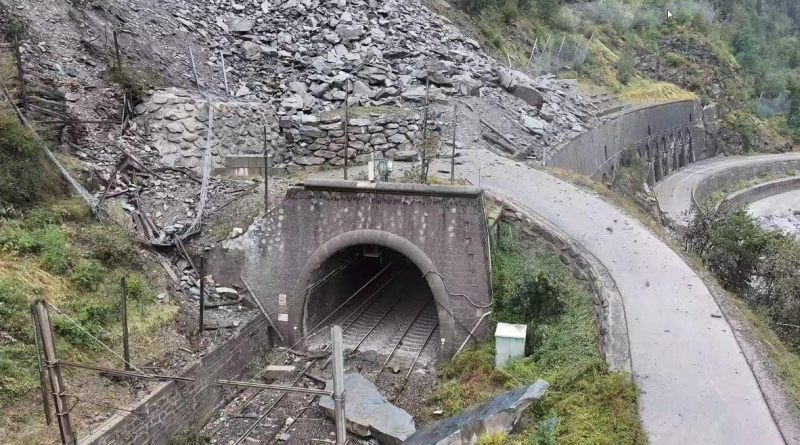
<point>612,328</point>
<point>668,136</point>
<point>764,190</point>
<point>731,176</point>
<point>175,406</point>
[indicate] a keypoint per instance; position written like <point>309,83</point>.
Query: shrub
<point>16,27</point>
<point>18,374</point>
<point>111,244</point>
<point>137,286</point>
<point>15,320</point>
<point>54,251</point>
<point>86,274</point>
<point>188,438</point>
<point>674,59</point>
<point>737,245</point>
<point>625,68</point>
<point>22,170</point>
<point>92,315</point>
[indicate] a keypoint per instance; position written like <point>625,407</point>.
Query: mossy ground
<point>586,404</point>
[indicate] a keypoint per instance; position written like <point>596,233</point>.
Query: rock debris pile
<point>301,55</point>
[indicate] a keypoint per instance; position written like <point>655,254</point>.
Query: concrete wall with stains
<point>667,136</point>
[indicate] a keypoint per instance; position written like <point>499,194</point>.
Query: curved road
<point>675,192</point>
<point>696,387</point>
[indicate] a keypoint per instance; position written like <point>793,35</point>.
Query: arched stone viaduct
<point>441,230</point>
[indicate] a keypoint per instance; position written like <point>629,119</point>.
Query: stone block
<point>272,372</point>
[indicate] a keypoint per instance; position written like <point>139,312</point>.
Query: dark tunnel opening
<point>381,300</point>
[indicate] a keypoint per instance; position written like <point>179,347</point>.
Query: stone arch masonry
<point>667,136</point>
<point>439,228</point>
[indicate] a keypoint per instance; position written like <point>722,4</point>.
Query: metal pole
<point>425,116</point>
<point>224,74</point>
<point>21,73</point>
<point>533,51</point>
<point>453,154</point>
<point>126,349</point>
<point>558,56</point>
<point>202,291</point>
<point>266,174</point>
<point>194,70</point>
<point>338,385</point>
<point>346,124</point>
<point>116,49</point>
<point>56,383</point>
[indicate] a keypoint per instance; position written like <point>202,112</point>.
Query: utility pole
<point>126,349</point>
<point>54,371</point>
<point>453,154</point>
<point>346,124</point>
<point>338,384</point>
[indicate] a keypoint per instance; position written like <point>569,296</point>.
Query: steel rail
<point>400,340</point>
<point>308,367</point>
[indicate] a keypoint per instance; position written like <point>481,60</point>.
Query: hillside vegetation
<point>743,55</point>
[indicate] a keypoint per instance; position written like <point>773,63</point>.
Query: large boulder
<point>529,94</point>
<point>498,414</point>
<point>368,413</point>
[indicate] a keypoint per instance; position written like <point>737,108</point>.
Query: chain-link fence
<point>771,106</point>
<point>557,52</point>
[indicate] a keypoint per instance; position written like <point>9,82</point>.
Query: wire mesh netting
<point>558,52</point>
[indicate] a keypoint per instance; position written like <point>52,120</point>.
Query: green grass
<point>586,404</point>
<point>56,251</point>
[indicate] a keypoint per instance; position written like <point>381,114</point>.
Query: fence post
<point>533,51</point>
<point>54,371</point>
<point>126,349</point>
<point>453,154</point>
<point>425,114</point>
<point>21,72</point>
<point>338,385</point>
<point>346,124</point>
<point>194,70</point>
<point>116,50</point>
<point>42,377</point>
<point>202,291</point>
<point>558,56</point>
<point>266,173</point>
<point>224,74</point>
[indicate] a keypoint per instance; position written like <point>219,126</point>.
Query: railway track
<point>358,325</point>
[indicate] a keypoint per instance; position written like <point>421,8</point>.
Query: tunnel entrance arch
<point>305,306</point>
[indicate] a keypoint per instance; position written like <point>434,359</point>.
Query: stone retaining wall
<point>763,190</point>
<point>391,133</point>
<point>176,122</point>
<point>612,328</point>
<point>175,406</point>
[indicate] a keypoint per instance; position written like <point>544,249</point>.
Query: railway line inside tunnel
<point>390,328</point>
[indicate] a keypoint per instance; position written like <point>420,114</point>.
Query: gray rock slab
<point>500,413</point>
<point>368,413</point>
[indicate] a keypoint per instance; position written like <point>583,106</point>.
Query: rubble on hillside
<point>298,55</point>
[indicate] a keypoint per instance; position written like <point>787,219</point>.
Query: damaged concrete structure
<point>330,239</point>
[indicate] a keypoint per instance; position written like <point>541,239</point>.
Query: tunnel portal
<point>334,248</point>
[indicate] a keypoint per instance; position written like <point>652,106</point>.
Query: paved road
<point>696,385</point>
<point>675,192</point>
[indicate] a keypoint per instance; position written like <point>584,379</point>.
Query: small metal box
<point>509,342</point>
